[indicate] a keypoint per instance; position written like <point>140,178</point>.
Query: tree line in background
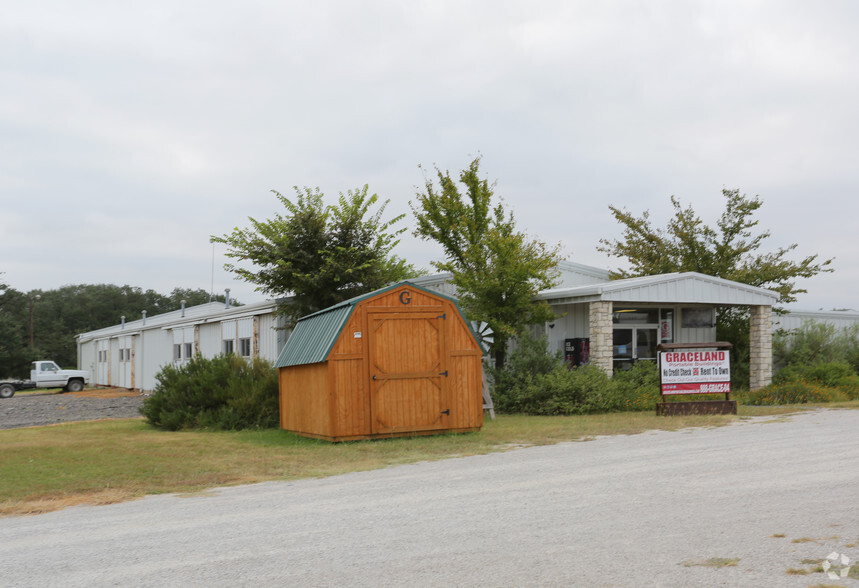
<point>59,315</point>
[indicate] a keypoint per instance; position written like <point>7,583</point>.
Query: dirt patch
<point>105,393</point>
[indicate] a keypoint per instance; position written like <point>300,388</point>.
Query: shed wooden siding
<point>395,368</point>
<point>305,409</point>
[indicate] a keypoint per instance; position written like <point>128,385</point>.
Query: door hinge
<point>444,373</point>
<point>442,316</point>
<point>447,412</point>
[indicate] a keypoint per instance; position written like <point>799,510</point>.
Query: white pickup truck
<point>47,374</point>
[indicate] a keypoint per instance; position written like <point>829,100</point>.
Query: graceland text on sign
<point>695,372</point>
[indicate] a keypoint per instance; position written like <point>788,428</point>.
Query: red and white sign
<point>695,372</point>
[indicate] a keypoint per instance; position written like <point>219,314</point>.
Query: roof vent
<point>144,317</point>
<point>227,298</point>
<point>183,308</point>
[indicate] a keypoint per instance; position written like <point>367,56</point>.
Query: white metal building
<point>840,319</point>
<point>619,322</point>
<point>130,354</point>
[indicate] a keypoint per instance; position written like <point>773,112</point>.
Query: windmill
<point>483,332</point>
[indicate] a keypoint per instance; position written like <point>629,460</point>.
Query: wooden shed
<point>402,360</point>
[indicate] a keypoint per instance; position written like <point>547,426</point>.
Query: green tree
<point>730,250</point>
<point>61,314</point>
<point>15,352</point>
<point>192,297</point>
<point>496,269</point>
<point>320,254</point>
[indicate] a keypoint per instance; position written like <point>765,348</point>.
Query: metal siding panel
<point>268,338</point>
<point>87,360</point>
<point>245,328</point>
<point>113,374</point>
<point>158,352</point>
<point>228,330</point>
<point>210,340</point>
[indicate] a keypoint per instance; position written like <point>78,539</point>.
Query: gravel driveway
<point>655,509</point>
<point>31,410</point>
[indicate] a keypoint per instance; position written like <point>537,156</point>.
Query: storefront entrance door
<point>631,344</point>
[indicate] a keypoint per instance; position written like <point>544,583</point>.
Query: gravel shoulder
<point>49,408</point>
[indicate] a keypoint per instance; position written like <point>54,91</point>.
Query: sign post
<point>695,368</point>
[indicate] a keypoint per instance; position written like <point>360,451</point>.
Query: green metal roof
<point>315,334</point>
<point>313,337</point>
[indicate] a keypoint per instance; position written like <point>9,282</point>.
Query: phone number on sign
<point>712,388</point>
<point>715,388</point>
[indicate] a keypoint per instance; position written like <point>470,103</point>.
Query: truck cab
<point>47,374</point>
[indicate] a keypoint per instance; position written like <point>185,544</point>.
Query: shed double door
<point>408,375</point>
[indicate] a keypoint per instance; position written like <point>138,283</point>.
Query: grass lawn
<point>49,468</point>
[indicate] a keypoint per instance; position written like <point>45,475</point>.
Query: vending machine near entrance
<point>577,351</point>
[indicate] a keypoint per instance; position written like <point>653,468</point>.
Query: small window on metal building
<point>228,347</point>
<point>177,352</point>
<point>189,350</point>
<point>245,347</point>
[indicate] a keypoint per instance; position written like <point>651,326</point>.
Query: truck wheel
<point>7,390</point>
<point>75,386</point>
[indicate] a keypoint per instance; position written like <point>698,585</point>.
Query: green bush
<point>815,363</point>
<point>794,392</point>
<point>537,382</point>
<point>223,393</point>
<point>828,373</point>
<point>638,388</point>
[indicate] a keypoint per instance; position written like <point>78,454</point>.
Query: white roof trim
<point>209,312</point>
<point>683,287</point>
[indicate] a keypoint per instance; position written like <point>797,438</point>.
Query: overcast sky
<point>132,132</point>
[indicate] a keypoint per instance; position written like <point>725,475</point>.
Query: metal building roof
<point>315,334</point>
<point>193,315</point>
<point>683,287</point>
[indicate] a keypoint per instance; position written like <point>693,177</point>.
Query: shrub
<point>794,392</point>
<point>817,362</point>
<point>638,388</point>
<point>827,373</point>
<point>813,342</point>
<point>225,393</point>
<point>537,382</point>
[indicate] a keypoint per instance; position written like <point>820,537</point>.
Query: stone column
<point>760,347</point>
<point>601,335</point>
